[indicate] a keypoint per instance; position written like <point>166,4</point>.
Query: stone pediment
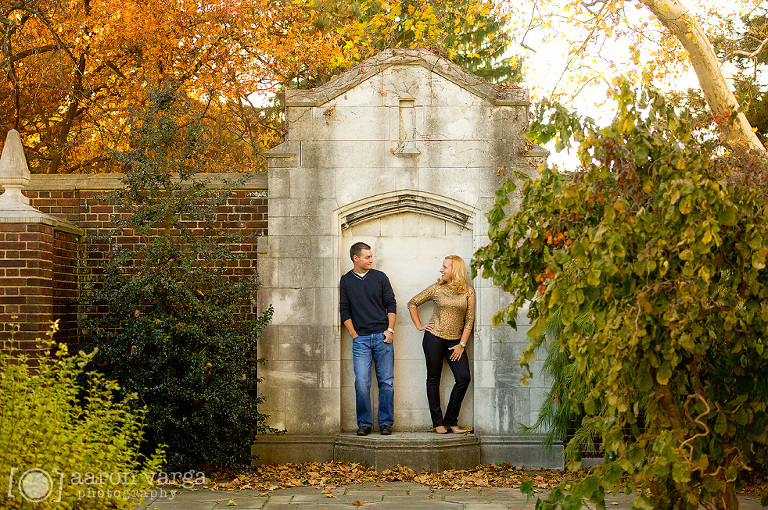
<point>494,94</point>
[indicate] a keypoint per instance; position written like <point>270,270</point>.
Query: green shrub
<point>562,409</point>
<point>176,325</point>
<point>660,241</point>
<point>66,444</point>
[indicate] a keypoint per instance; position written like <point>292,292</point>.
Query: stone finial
<point>14,173</point>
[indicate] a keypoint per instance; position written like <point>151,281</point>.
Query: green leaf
<point>572,502</point>
<point>589,406</point>
<point>526,488</point>
<point>728,216</point>
<point>686,205</point>
<point>681,473</point>
<point>742,416</point>
<point>537,328</point>
<point>644,380</point>
<point>590,486</point>
<point>721,425</point>
<point>755,242</point>
<point>664,373</point>
<point>643,503</point>
<point>758,258</point>
<point>567,314</point>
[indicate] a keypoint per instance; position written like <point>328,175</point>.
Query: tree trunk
<point>65,124</point>
<point>727,498</point>
<point>720,99</point>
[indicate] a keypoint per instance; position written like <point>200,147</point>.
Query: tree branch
<point>29,52</point>
<point>751,55</point>
<point>717,92</point>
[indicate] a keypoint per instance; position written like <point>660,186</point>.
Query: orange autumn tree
<point>75,70</point>
<point>473,33</point>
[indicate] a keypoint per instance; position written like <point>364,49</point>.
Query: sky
<point>544,65</point>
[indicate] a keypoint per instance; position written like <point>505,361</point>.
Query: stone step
<point>417,450</point>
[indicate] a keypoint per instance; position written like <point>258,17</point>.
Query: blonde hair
<point>458,282</point>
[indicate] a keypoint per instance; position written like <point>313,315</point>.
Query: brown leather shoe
<point>440,429</point>
<point>457,430</point>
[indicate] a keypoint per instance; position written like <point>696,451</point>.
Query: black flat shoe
<point>385,430</point>
<point>363,431</point>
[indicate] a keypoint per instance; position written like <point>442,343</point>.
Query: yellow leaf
<point>686,205</point>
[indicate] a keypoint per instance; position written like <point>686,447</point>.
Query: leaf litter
<point>328,475</point>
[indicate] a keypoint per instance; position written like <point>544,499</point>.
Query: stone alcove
<point>404,152</point>
<point>410,233</point>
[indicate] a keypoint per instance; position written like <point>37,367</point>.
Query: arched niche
<point>410,234</point>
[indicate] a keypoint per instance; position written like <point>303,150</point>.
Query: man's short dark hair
<point>356,249</point>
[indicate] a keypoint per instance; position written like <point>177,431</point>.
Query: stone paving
<point>379,496</point>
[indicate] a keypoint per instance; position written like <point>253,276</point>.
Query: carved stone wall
<point>404,152</point>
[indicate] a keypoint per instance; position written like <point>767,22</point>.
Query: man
<point>367,306</point>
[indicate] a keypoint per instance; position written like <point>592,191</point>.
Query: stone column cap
<point>14,172</point>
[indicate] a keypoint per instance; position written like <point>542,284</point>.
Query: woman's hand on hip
<point>428,326</point>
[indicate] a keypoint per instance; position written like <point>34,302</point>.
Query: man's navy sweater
<point>366,301</point>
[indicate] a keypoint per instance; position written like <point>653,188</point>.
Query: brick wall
<point>25,270</point>
<point>43,269</point>
<point>66,291</point>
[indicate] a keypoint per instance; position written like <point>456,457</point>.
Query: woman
<point>445,336</point>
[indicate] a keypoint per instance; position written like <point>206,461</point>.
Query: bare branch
<point>593,3</point>
<point>29,52</point>
<point>752,55</point>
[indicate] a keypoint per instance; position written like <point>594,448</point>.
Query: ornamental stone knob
<point>14,172</point>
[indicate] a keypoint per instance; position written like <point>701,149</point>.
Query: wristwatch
<point>463,344</point>
<point>390,330</point>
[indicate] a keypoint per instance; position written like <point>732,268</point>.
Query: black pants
<point>435,350</point>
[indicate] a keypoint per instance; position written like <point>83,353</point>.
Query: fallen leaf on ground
<point>273,477</point>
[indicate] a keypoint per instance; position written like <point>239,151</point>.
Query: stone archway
<point>410,234</point>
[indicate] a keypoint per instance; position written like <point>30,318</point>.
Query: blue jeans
<point>367,349</point>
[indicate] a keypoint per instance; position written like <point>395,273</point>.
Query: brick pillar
<point>33,246</point>
<point>26,279</point>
